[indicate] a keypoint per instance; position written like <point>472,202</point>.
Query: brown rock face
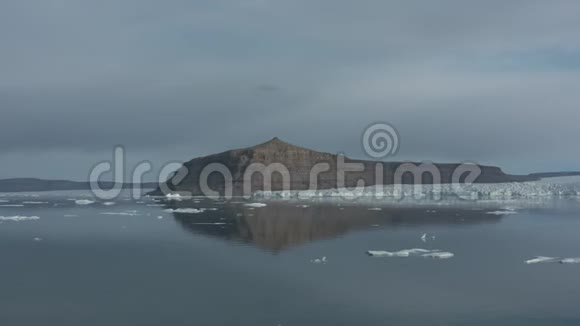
<point>299,163</point>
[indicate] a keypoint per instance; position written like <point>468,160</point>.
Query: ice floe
<point>34,202</point>
<point>18,218</point>
<point>570,261</point>
<point>255,205</point>
<point>544,260</point>
<point>425,237</point>
<point>109,203</point>
<point>438,254</point>
<point>506,212</point>
<point>185,210</point>
<point>400,253</point>
<point>173,196</point>
<point>84,202</point>
<point>15,205</point>
<point>126,213</point>
<point>319,260</point>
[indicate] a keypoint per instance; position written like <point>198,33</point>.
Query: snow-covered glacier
<point>550,187</point>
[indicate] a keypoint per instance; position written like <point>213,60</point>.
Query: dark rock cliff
<point>299,162</point>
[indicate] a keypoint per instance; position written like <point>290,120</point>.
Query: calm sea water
<point>134,263</point>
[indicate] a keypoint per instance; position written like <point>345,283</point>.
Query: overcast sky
<point>497,82</point>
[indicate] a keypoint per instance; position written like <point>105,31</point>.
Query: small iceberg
<point>439,255</point>
<point>506,212</point>
<point>19,218</point>
<point>109,203</point>
<point>425,237</point>
<point>400,253</point>
<point>570,261</point>
<point>172,196</point>
<point>84,202</point>
<point>319,260</point>
<point>127,213</point>
<point>186,210</point>
<point>543,259</point>
<point>255,205</point>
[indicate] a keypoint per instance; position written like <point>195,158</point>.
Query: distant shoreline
<point>41,185</point>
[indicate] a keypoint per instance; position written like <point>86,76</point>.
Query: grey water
<point>141,262</point>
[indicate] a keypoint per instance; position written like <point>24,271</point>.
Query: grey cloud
<point>493,81</point>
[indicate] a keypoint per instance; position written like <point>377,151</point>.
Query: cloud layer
<point>496,81</point>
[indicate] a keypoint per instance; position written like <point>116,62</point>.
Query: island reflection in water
<point>279,226</point>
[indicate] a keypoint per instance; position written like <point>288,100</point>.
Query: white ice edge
<point>561,187</point>
<point>19,218</point>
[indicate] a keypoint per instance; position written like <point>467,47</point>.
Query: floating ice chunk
<point>506,212</point>
<point>34,202</point>
<point>302,206</point>
<point>11,205</point>
<point>570,261</point>
<point>255,205</point>
<point>176,197</point>
<point>425,237</point>
<point>84,202</point>
<point>109,203</point>
<point>37,239</point>
<point>319,260</point>
<point>416,251</point>
<point>127,213</point>
<point>18,218</point>
<point>160,217</point>
<point>543,259</point>
<point>375,209</point>
<point>379,253</point>
<point>400,253</point>
<point>439,255</point>
<point>215,223</point>
<point>186,210</point>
